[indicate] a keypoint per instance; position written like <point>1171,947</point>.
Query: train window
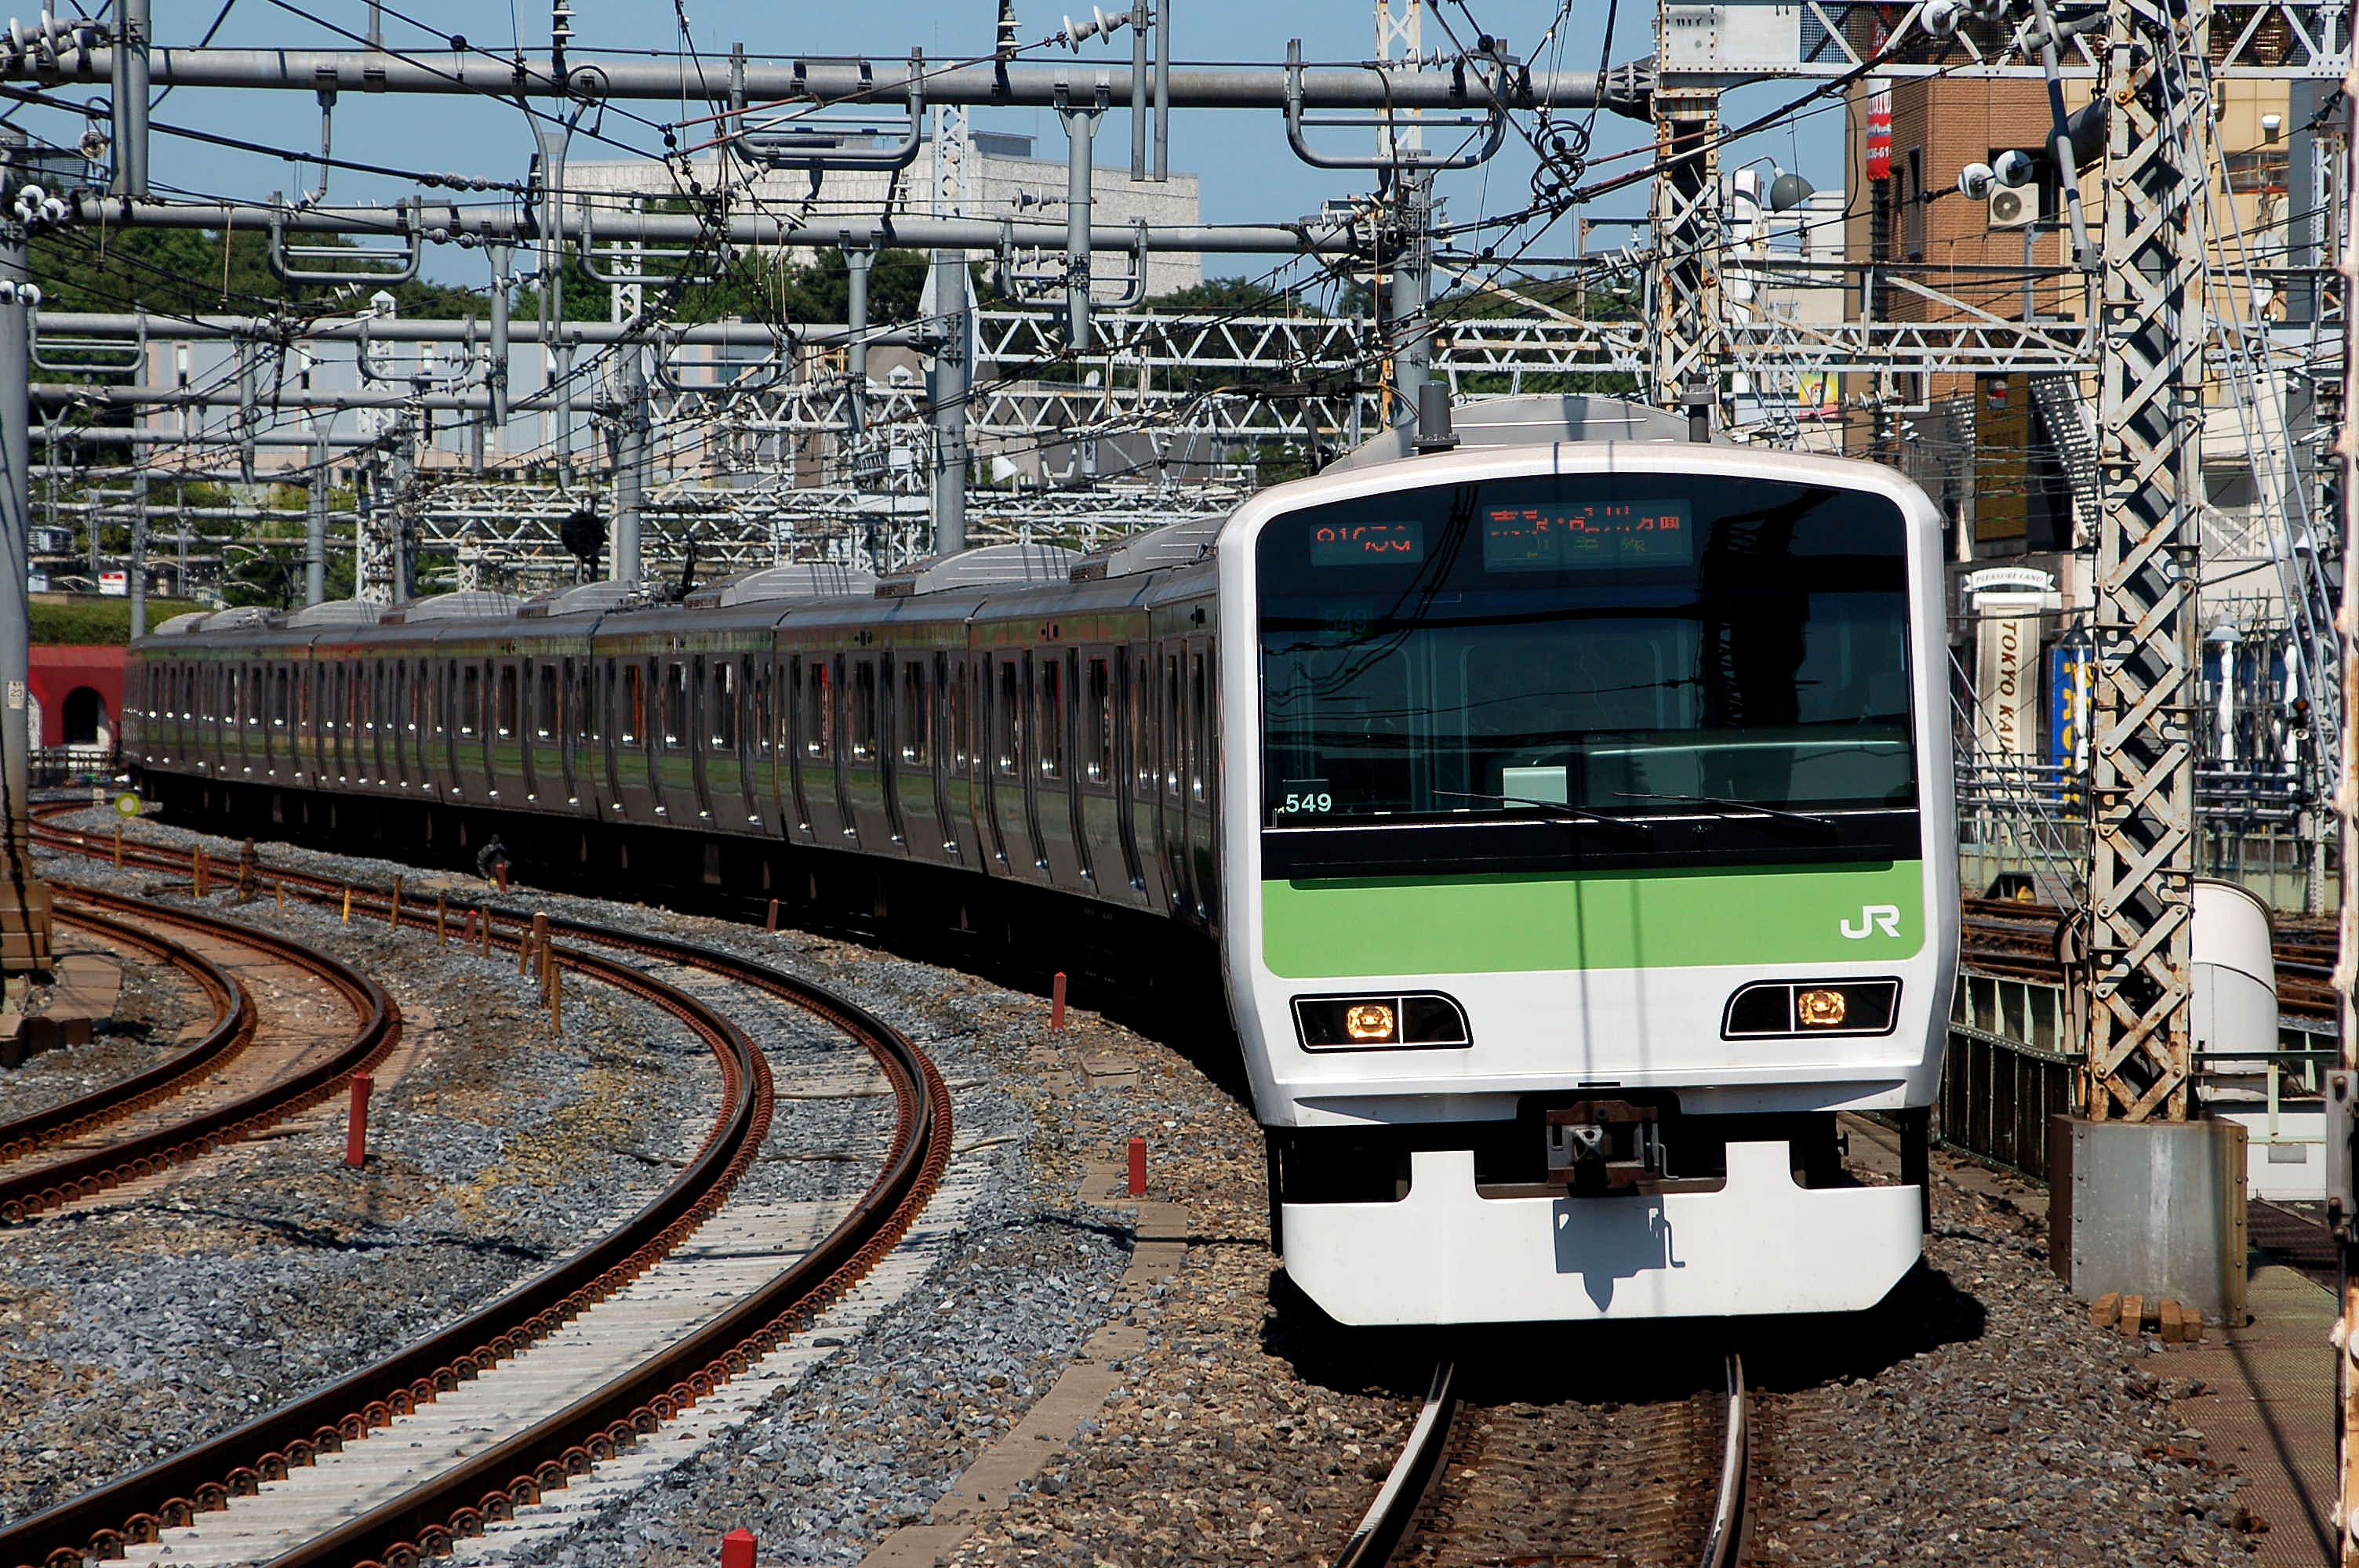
<point>301,681</point>
<point>1100,764</point>
<point>1171,730</point>
<point>1010,727</point>
<point>819,712</point>
<point>724,705</point>
<point>634,703</point>
<point>675,714</point>
<point>1199,735</point>
<point>863,709</point>
<point>912,725</point>
<point>508,724</point>
<point>955,700</point>
<point>471,698</point>
<point>758,722</point>
<point>281,704</point>
<point>1052,717</point>
<point>546,719</point>
<point>584,682</point>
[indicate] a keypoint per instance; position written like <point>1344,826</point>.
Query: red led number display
<point>1560,534</point>
<point>1367,544</point>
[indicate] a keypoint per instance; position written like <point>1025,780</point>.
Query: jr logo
<point>1872,917</point>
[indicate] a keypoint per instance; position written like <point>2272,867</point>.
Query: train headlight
<point>1774,1010</point>
<point>1378,1022</point>
<point>1822,1008</point>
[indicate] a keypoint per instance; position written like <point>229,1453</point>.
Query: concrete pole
<point>130,86</point>
<point>630,468</point>
<point>857,260</point>
<point>948,402</point>
<point>1081,130</point>
<point>24,900</point>
<point>315,524</point>
<point>1412,292</point>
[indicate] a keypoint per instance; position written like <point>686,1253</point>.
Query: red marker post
<point>356,1131</point>
<point>738,1547</point>
<point>1056,1002</point>
<point>1139,1167</point>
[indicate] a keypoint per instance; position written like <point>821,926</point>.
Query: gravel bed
<point>131,1328</point>
<point>155,1005</point>
<point>1976,1416</point>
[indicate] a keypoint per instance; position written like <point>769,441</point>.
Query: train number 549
<point>1302,803</point>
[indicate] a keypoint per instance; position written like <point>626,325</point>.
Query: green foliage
<point>188,272</point>
<point>89,623</point>
<point>1245,297</point>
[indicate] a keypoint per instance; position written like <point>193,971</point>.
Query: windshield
<point>1620,643</point>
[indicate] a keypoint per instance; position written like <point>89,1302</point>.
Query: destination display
<point>1573,534</point>
<point>1367,544</point>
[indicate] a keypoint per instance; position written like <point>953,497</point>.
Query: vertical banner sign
<point>2007,676</point>
<point>1879,131</point>
<point>2068,711</point>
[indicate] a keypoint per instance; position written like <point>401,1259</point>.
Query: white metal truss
<point>2141,880</point>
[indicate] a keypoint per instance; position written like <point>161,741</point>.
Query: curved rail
<point>1386,1527</point>
<point>231,1027</point>
<point>83,1175</point>
<point>514,1473</point>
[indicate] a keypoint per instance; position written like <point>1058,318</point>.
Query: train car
<point>1569,819</point>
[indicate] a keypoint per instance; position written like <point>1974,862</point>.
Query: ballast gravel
<point>1975,1417</point>
<point>152,1009</point>
<point>132,1326</point>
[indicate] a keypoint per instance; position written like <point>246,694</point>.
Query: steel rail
<point>232,1028</point>
<point>515,1471</point>
<point>173,1490</point>
<point>83,1175</point>
<point>1732,1511</point>
<point>1385,1529</point>
<point>1399,1501</point>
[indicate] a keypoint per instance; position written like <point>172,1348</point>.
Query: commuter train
<point>1569,814</point>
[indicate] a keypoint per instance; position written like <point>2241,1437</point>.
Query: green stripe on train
<point>1485,925</point>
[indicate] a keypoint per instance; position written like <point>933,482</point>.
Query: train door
<point>721,773</point>
<point>635,715</point>
<point>917,750</point>
<point>544,720</point>
<point>1130,762</point>
<point>843,713</point>
<point>757,749</point>
<point>1203,776</point>
<point>889,719</point>
<point>1095,837</point>
<point>946,720</point>
<point>802,741</point>
<point>1011,792</point>
<point>1171,812</point>
<point>1052,769</point>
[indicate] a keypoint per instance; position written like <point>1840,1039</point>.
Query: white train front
<point>1591,849</point>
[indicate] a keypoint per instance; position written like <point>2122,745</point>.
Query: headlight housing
<point>1792,1009</point>
<point>1416,1019</point>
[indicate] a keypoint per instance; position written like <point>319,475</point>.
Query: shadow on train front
<point>1641,1359</point>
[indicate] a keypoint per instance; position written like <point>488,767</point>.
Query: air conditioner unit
<point>2013,207</point>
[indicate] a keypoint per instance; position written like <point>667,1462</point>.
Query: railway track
<point>1486,1478</point>
<point>2004,937</point>
<point>566,1370</point>
<point>250,1069</point>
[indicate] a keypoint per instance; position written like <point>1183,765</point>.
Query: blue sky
<point>1248,174</point>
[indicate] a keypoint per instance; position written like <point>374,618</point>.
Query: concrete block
<point>2151,1209</point>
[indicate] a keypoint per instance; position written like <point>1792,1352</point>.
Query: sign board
<point>114,585</point>
<point>1732,37</point>
<point>2006,675</point>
